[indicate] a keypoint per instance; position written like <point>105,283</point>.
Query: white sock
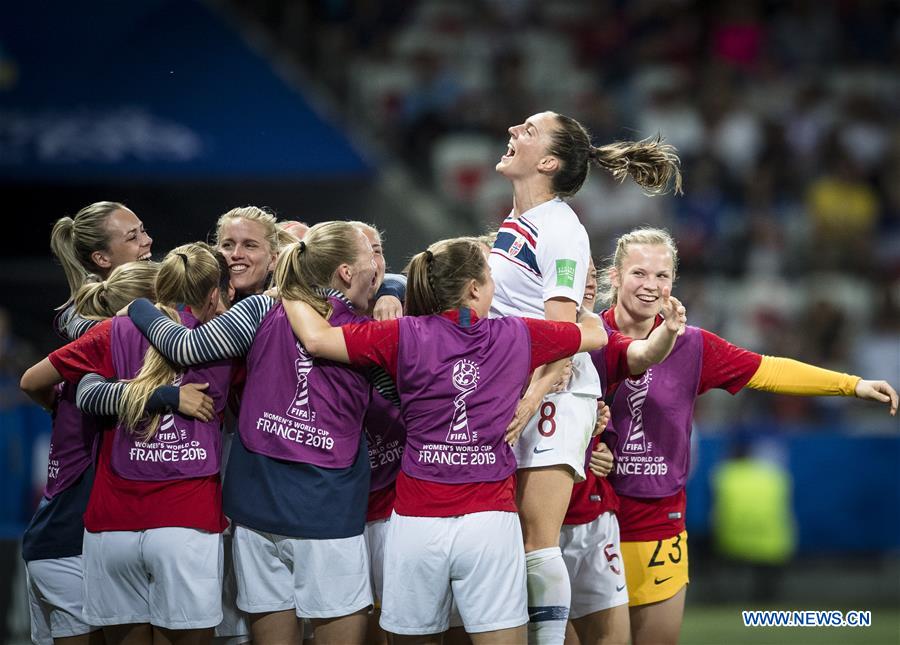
<point>549,595</point>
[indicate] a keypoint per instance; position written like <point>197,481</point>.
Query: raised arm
<point>656,347</point>
<point>318,337</point>
<point>390,297</point>
<point>229,335</point>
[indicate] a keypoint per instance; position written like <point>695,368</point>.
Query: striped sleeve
<point>96,396</point>
<point>227,336</point>
<point>382,381</point>
<point>76,326</point>
<point>99,397</point>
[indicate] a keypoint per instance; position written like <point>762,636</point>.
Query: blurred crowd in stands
<point>784,113</point>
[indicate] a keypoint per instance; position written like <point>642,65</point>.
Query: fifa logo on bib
<point>168,432</point>
<point>465,379</point>
<point>299,407</point>
<point>636,441</point>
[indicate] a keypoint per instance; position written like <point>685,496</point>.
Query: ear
<point>272,263</point>
<point>101,259</point>
<point>615,278</point>
<point>214,298</point>
<point>548,165</point>
<point>344,273</point>
<point>473,290</point>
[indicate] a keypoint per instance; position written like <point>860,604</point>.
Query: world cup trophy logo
<point>465,379</point>
<point>299,407</point>
<point>168,432</point>
<point>636,394</point>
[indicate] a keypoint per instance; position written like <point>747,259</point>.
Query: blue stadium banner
<point>155,90</point>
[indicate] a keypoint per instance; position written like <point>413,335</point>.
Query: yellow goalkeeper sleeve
<point>787,376</point>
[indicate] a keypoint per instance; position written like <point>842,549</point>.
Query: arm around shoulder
<point>318,337</point>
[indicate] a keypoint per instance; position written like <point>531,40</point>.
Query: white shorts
<point>169,577</point>
<point>593,556</point>
<point>316,578</point>
<point>476,559</point>
<point>375,533</point>
<point>559,433</point>
<point>235,624</point>
<point>55,599</point>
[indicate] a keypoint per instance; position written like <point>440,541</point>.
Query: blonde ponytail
<point>652,164</point>
<point>101,299</point>
<point>187,275</point>
<point>308,266</point>
<point>73,240</point>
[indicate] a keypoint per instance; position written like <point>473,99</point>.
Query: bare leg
<point>276,628</point>
<point>543,497</point>
<point>457,636</point>
<point>345,630</point>
<point>135,634</point>
<point>607,627</point>
<point>418,639</point>
<point>374,634</point>
<point>501,636</point>
<point>182,636</point>
<point>658,623</point>
<point>91,638</point>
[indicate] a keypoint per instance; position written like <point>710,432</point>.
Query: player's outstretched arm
<point>318,337</point>
<point>657,346</point>
<point>788,376</point>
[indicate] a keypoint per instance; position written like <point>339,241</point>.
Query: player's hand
<point>604,414</point>
<point>880,391</point>
<point>272,292</point>
<point>524,411</point>
<point>601,463</point>
<point>564,378</point>
<point>387,308</point>
<point>193,402</point>
<point>673,312</point>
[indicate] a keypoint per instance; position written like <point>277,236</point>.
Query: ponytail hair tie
<point>429,256</point>
<point>592,153</point>
<point>301,246</point>
<point>184,258</point>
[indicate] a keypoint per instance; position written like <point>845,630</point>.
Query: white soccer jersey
<point>542,254</point>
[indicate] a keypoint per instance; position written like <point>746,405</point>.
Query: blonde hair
<point>73,240</point>
<point>607,293</point>
<point>273,235</point>
<point>438,276</point>
<point>652,164</point>
<point>186,276</point>
<point>368,228</point>
<point>306,267</point>
<point>488,239</point>
<point>101,299</point>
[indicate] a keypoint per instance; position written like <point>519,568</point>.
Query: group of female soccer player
<point>272,441</point>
